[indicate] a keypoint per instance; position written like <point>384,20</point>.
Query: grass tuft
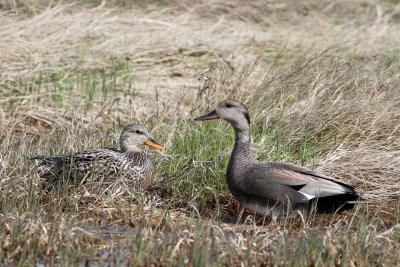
<point>321,83</point>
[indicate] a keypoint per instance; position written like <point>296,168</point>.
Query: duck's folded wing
<point>267,177</point>
<point>95,154</point>
<point>91,159</point>
<point>265,183</point>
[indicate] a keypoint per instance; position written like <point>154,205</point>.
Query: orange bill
<point>151,142</point>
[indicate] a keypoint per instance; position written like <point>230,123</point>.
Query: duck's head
<point>135,135</point>
<point>232,111</point>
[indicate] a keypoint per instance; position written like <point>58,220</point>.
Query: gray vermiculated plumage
<point>275,188</point>
<point>106,164</point>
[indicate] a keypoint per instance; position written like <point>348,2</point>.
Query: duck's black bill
<point>151,142</point>
<point>210,116</point>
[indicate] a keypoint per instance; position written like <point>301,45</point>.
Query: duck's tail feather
<point>42,158</point>
<point>338,203</point>
<point>359,200</point>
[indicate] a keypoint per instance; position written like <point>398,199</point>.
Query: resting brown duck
<point>128,163</point>
<point>276,188</point>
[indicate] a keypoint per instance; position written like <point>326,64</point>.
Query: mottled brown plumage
<point>106,164</point>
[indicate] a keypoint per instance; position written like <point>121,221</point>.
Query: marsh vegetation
<point>321,80</point>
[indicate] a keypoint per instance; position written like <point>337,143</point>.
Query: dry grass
<point>321,80</point>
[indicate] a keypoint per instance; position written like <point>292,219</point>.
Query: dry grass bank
<point>321,80</point>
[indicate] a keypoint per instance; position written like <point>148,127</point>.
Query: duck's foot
<point>268,222</point>
<point>273,223</point>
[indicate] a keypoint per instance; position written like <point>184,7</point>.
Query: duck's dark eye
<point>229,105</point>
<point>138,132</point>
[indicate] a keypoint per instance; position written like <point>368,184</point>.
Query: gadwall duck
<point>128,163</point>
<point>276,188</point>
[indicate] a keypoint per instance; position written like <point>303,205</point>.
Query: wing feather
<point>275,179</point>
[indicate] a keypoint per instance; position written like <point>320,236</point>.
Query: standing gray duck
<point>107,163</point>
<point>276,188</point>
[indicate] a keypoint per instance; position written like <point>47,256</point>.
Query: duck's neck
<point>129,148</point>
<point>241,157</point>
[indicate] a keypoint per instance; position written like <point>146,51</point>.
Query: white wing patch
<point>307,195</point>
<point>323,189</point>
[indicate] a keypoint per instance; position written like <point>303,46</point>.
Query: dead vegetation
<point>322,83</point>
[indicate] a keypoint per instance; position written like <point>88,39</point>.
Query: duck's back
<point>276,185</point>
<point>102,164</point>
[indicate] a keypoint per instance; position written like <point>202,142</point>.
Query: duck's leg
<point>274,218</point>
